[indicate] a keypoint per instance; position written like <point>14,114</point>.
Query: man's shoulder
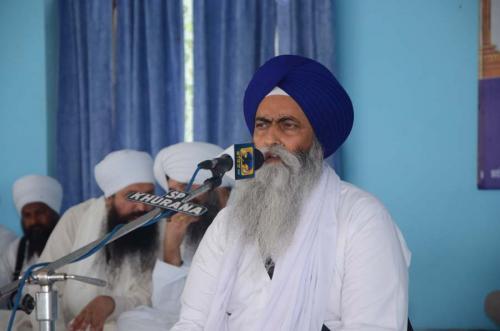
<point>361,213</point>
<point>84,206</point>
<point>357,206</point>
<point>351,195</point>
<point>6,235</point>
<point>77,214</point>
<point>13,245</point>
<point>10,252</point>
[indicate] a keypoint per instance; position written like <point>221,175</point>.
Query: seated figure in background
<point>125,264</point>
<point>173,168</point>
<point>38,202</point>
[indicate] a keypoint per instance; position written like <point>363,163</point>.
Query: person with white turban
<point>38,201</point>
<point>173,168</point>
<point>297,248</point>
<point>125,264</point>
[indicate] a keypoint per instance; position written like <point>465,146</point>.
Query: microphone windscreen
<point>258,159</point>
<point>247,159</point>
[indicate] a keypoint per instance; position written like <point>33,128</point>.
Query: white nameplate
<point>172,201</point>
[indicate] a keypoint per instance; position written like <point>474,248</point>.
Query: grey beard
<point>266,210</point>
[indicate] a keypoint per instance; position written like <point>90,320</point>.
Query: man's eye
<point>260,125</point>
<point>289,125</point>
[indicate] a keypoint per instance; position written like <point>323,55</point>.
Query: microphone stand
<point>45,277</point>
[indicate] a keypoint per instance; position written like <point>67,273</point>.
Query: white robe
<point>370,282</point>
<point>6,237</point>
<point>168,284</point>
<point>79,226</point>
<point>8,264</point>
<point>8,249</point>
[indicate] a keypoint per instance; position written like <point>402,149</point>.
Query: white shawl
<point>302,277</point>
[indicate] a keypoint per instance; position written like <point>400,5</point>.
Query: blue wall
<point>24,98</point>
<point>411,70</point>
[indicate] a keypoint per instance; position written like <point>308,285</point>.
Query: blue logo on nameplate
<point>244,161</point>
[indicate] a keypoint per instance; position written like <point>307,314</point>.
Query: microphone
<point>245,158</point>
<point>220,164</point>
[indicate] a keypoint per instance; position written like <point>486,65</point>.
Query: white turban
<point>37,188</point>
<point>179,162</point>
<point>122,168</point>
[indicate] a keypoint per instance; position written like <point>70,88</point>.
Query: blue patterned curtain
<point>149,113</point>
<point>84,108</point>
<point>307,28</point>
<point>232,38</point>
<point>142,107</point>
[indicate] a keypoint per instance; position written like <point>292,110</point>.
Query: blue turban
<point>321,97</point>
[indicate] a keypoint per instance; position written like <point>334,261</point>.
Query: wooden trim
<point>489,55</point>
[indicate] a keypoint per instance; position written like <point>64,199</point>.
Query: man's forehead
<point>281,103</point>
<point>138,187</point>
<point>32,206</point>
<point>276,107</point>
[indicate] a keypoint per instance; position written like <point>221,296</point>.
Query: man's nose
<point>141,207</point>
<point>272,137</point>
<point>32,220</point>
<point>29,221</point>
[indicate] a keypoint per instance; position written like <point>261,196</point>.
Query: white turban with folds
<point>179,162</point>
<point>122,168</point>
<point>37,188</point>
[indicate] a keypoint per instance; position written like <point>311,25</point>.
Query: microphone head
<point>246,159</point>
<point>225,163</point>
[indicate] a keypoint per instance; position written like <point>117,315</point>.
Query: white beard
<point>266,209</point>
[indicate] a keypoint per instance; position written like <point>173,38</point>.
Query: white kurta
<point>6,237</point>
<point>8,264</point>
<point>8,249</point>
<point>370,284</point>
<point>168,284</point>
<point>79,226</point>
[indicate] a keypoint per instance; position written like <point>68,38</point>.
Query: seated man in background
<point>173,168</point>
<point>297,248</point>
<point>125,264</point>
<point>38,202</point>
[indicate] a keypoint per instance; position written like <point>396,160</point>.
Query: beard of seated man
<point>196,230</point>
<point>37,235</point>
<point>266,209</point>
<point>141,243</point>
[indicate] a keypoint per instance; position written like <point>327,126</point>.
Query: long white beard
<point>266,209</point>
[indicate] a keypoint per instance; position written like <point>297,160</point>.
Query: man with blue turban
<point>296,248</point>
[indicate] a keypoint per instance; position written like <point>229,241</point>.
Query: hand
<point>94,314</point>
<point>175,230</point>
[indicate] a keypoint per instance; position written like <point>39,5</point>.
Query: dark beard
<point>142,241</point>
<point>196,230</point>
<point>37,236</point>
